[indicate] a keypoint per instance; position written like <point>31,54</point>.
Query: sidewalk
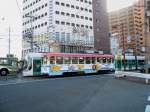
<point>133,76</point>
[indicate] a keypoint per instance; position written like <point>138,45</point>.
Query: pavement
<point>133,76</point>
<point>93,93</point>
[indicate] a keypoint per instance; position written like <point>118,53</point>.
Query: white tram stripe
<point>147,108</point>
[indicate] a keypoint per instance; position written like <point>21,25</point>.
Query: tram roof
<point>80,55</point>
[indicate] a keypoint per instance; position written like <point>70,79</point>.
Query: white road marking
<point>147,108</point>
<point>22,82</point>
<point>148,99</point>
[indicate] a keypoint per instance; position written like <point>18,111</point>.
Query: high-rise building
<point>101,28</point>
<point>129,24</point>
<point>57,26</point>
<point>147,13</point>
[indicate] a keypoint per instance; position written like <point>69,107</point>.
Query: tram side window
<point>74,60</point>
<point>81,60</point>
<point>104,60</point>
<point>88,60</point>
<point>99,60</point>
<point>52,60</point>
<point>93,60</point>
<point>141,62</point>
<point>59,60</point>
<point>67,60</point>
<point>109,60</point>
<point>4,62</point>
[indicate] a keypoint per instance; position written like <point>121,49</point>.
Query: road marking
<point>147,108</point>
<point>148,98</point>
<point>22,82</point>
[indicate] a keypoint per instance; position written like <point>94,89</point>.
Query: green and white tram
<point>130,62</point>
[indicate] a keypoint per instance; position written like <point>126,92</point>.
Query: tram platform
<point>133,76</point>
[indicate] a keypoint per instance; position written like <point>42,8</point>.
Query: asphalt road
<point>96,93</point>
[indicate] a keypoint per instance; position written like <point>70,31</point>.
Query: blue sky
<point>10,16</point>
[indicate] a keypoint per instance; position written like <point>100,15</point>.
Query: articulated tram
<point>53,64</point>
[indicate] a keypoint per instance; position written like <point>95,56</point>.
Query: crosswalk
<point>147,109</point>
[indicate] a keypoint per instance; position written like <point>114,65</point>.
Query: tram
<point>53,64</point>
<point>130,62</point>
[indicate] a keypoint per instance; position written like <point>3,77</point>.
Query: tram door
<point>37,67</point>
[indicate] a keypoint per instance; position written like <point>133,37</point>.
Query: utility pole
<point>145,33</point>
<point>136,63</point>
<point>124,51</point>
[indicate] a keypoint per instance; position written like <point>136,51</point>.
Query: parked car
<point>143,69</point>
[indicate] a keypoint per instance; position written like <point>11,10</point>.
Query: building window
<point>62,22</point>
<point>81,8</point>
<point>86,9</point>
<point>57,12</point>
<point>72,15</point>
<point>57,36</point>
<point>90,10</point>
<point>72,24</point>
<point>86,18</point>
<point>67,5</point>
<point>57,22</point>
<point>82,17</point>
<point>72,6</point>
<point>77,16</point>
<point>46,14</point>
<point>57,3</point>
<point>46,5</point>
<point>62,13</point>
<point>63,36</point>
<point>77,7</point>
<point>68,37</point>
<point>68,23</point>
<point>62,4</point>
<point>68,14</point>
<point>45,23</point>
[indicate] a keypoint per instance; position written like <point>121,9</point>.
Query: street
<point>92,93</point>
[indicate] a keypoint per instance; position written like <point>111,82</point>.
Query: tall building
<point>57,25</point>
<point>101,28</point>
<point>147,19</point>
<point>129,24</point>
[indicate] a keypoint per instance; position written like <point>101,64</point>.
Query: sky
<point>118,4</point>
<point>10,16</point>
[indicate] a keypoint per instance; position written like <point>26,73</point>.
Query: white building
<point>69,23</point>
